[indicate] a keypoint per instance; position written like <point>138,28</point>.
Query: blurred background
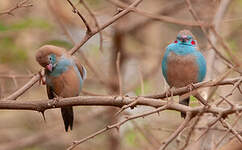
<point>141,42</point>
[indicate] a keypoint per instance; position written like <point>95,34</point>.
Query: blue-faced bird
<point>64,77</point>
<point>183,64</point>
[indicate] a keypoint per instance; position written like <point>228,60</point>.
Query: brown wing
<point>81,68</point>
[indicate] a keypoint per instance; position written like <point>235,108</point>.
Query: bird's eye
<point>50,58</point>
<point>193,42</point>
<point>175,41</point>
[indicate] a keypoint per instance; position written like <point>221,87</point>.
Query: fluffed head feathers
<point>186,37</point>
<point>43,53</point>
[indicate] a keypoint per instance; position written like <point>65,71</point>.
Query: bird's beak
<point>184,38</point>
<point>49,67</point>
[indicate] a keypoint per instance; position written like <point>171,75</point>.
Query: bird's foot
<point>190,87</point>
<point>56,99</point>
<point>42,79</point>
<point>169,93</point>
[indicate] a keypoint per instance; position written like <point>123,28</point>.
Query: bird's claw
<point>56,99</point>
<point>190,87</point>
<point>169,92</point>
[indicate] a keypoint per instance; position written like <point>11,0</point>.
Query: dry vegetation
<point>125,103</point>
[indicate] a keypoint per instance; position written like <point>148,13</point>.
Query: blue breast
<point>62,66</point>
<point>183,49</point>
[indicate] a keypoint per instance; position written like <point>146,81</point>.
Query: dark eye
<point>179,38</point>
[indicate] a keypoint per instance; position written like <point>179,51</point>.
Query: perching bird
<point>64,77</point>
<point>183,64</point>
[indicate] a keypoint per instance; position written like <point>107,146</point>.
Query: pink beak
<point>49,67</point>
<point>184,38</point>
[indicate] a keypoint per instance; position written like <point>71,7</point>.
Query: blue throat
<point>60,67</point>
<point>181,48</point>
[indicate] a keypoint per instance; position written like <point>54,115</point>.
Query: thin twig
<point>112,20</point>
<point>225,46</point>
<point>116,125</point>
<point>210,125</point>
<point>231,129</point>
<point>96,23</point>
<point>197,119</point>
<point>23,89</point>
<point>175,134</point>
<point>119,73</point>
<point>127,106</point>
<point>20,4</point>
<point>225,134</point>
<point>149,137</point>
<point>76,11</point>
<point>196,86</point>
<point>195,16</point>
<point>160,17</point>
<point>85,59</point>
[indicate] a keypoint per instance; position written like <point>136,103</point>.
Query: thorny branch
<point>195,16</point>
<point>76,11</point>
<point>232,130</point>
<point>117,125</point>
<point>175,134</point>
<point>119,101</point>
<point>160,17</point>
<point>20,4</point>
<point>236,121</point>
<point>125,102</point>
<point>96,23</point>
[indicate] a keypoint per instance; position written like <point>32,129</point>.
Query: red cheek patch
<point>175,41</point>
<point>193,42</point>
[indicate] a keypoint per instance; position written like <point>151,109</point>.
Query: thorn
<point>43,115</point>
<point>239,89</point>
<point>117,128</point>
<point>237,113</point>
<point>132,107</point>
<point>119,10</point>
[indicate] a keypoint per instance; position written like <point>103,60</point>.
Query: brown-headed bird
<point>64,77</point>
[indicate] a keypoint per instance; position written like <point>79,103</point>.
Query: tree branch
<point>179,130</point>
<point>116,125</point>
<point>20,4</point>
